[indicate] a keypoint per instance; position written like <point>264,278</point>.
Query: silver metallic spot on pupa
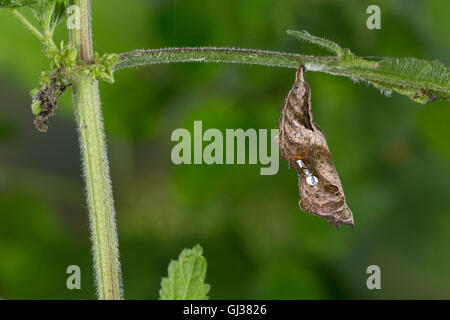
<point>307,172</point>
<point>312,181</point>
<point>300,163</point>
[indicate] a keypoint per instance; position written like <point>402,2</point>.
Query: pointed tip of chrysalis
<point>339,223</point>
<point>347,221</point>
<point>301,74</point>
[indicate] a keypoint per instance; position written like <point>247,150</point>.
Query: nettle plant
<point>74,64</point>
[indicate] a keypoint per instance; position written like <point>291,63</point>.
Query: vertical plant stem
<point>86,101</point>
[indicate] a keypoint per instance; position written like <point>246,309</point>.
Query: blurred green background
<point>393,157</point>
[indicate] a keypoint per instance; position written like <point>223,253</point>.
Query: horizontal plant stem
<point>213,54</point>
<point>420,80</point>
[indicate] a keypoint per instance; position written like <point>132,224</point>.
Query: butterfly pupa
<point>303,144</point>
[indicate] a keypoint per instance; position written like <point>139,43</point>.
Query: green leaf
<point>59,12</point>
<point>422,81</point>
<point>49,13</point>
<point>15,3</point>
<point>186,277</point>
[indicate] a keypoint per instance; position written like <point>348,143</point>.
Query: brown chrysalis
<point>303,145</point>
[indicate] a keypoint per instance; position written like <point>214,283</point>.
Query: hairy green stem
<point>86,100</point>
<point>213,54</point>
<point>422,81</point>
